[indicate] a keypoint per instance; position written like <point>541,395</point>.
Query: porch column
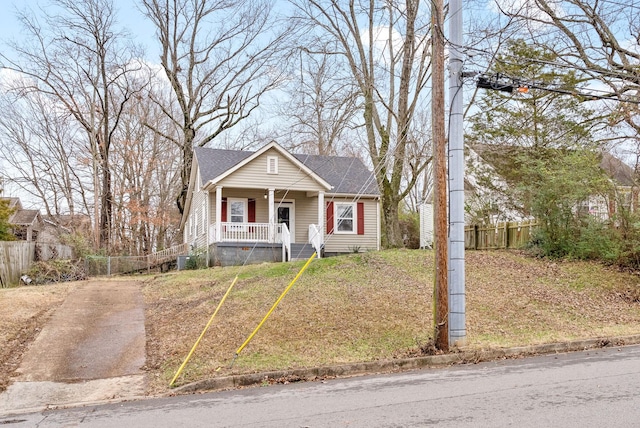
<point>218,213</point>
<point>272,217</point>
<point>321,220</point>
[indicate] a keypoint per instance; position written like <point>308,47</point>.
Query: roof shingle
<point>347,175</point>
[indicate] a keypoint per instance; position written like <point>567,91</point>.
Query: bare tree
<point>386,49</point>
<point>78,59</point>
<point>322,107</point>
<point>599,38</point>
<point>146,178</point>
<point>220,58</point>
<point>41,147</point>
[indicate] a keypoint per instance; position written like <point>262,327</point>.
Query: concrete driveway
<point>92,350</point>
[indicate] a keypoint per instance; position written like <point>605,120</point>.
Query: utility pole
<point>441,305</point>
<point>457,314</point>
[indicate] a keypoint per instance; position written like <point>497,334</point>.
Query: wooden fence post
<point>506,235</point>
<point>475,236</point>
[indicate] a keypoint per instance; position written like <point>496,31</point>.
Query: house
<point>272,205</point>
<point>56,226</point>
<point>490,172</point>
<point>25,224</point>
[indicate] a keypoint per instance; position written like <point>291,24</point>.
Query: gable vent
<point>272,164</point>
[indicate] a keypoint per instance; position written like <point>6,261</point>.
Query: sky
<point>128,16</point>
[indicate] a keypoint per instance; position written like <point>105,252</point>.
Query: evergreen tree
<point>538,118</point>
<point>5,227</point>
<point>540,143</point>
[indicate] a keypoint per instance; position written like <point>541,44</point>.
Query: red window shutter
<point>223,208</point>
<point>360,218</point>
<point>251,215</point>
<point>329,218</point>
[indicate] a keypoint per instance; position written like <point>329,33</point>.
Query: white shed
<point>426,226</point>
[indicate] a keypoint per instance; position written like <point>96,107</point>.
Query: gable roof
<point>619,171</point>
<point>283,152</point>
<point>346,175</point>
<point>215,162</point>
<point>24,217</point>
<point>343,175</point>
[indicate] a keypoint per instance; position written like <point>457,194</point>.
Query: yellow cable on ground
<point>274,306</point>
<point>203,332</point>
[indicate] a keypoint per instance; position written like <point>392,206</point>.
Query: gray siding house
<point>271,205</point>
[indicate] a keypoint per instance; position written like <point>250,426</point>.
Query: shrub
<point>410,228</point>
<point>53,271</point>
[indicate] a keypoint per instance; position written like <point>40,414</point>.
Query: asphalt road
<point>598,388</point>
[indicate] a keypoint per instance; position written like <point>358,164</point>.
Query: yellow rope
<point>203,332</point>
<point>274,306</point>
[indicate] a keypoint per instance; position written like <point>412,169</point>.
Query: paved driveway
<point>91,350</point>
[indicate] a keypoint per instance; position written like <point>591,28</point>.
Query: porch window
<point>237,210</point>
<point>345,220</point>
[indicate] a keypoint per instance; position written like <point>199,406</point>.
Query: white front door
<point>286,215</point>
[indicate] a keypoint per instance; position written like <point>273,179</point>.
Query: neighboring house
<point>486,191</point>
<point>487,195</point>
<point>31,226</point>
<point>271,205</point>
<point>25,224</point>
<point>55,226</point>
<point>626,189</point>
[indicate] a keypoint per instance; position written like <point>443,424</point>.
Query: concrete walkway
<point>91,350</point>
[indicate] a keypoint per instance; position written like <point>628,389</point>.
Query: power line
<point>506,83</point>
<point>553,63</point>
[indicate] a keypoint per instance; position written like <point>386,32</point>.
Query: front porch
<point>249,225</point>
<point>245,232</point>
<point>233,243</point>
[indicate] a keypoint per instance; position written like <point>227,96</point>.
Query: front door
<point>286,216</point>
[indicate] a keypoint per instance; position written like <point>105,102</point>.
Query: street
<point>595,388</point>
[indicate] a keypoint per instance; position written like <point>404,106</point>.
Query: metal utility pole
<point>457,315</point>
<point>441,306</point>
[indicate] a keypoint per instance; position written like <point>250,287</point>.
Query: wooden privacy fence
<point>501,235</point>
<point>16,257</point>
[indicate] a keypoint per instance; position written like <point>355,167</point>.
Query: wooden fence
<point>16,257</point>
<point>501,235</point>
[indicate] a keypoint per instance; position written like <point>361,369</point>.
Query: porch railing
<point>286,243</point>
<point>246,232</point>
<point>315,239</point>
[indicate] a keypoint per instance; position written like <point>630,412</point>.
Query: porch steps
<point>301,251</point>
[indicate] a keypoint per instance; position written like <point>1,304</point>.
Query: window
<point>204,217</point>
<point>345,218</point>
<point>272,164</point>
<point>237,210</point>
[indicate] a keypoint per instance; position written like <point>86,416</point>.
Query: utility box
<point>182,262</point>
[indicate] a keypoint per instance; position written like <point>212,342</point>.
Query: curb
<point>398,365</point>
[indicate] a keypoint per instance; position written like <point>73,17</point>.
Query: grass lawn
<point>369,306</point>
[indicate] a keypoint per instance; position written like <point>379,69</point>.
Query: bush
<point>54,271</point>
<point>410,229</point>
<point>597,241</point>
<point>197,260</point>
<point>80,243</point>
